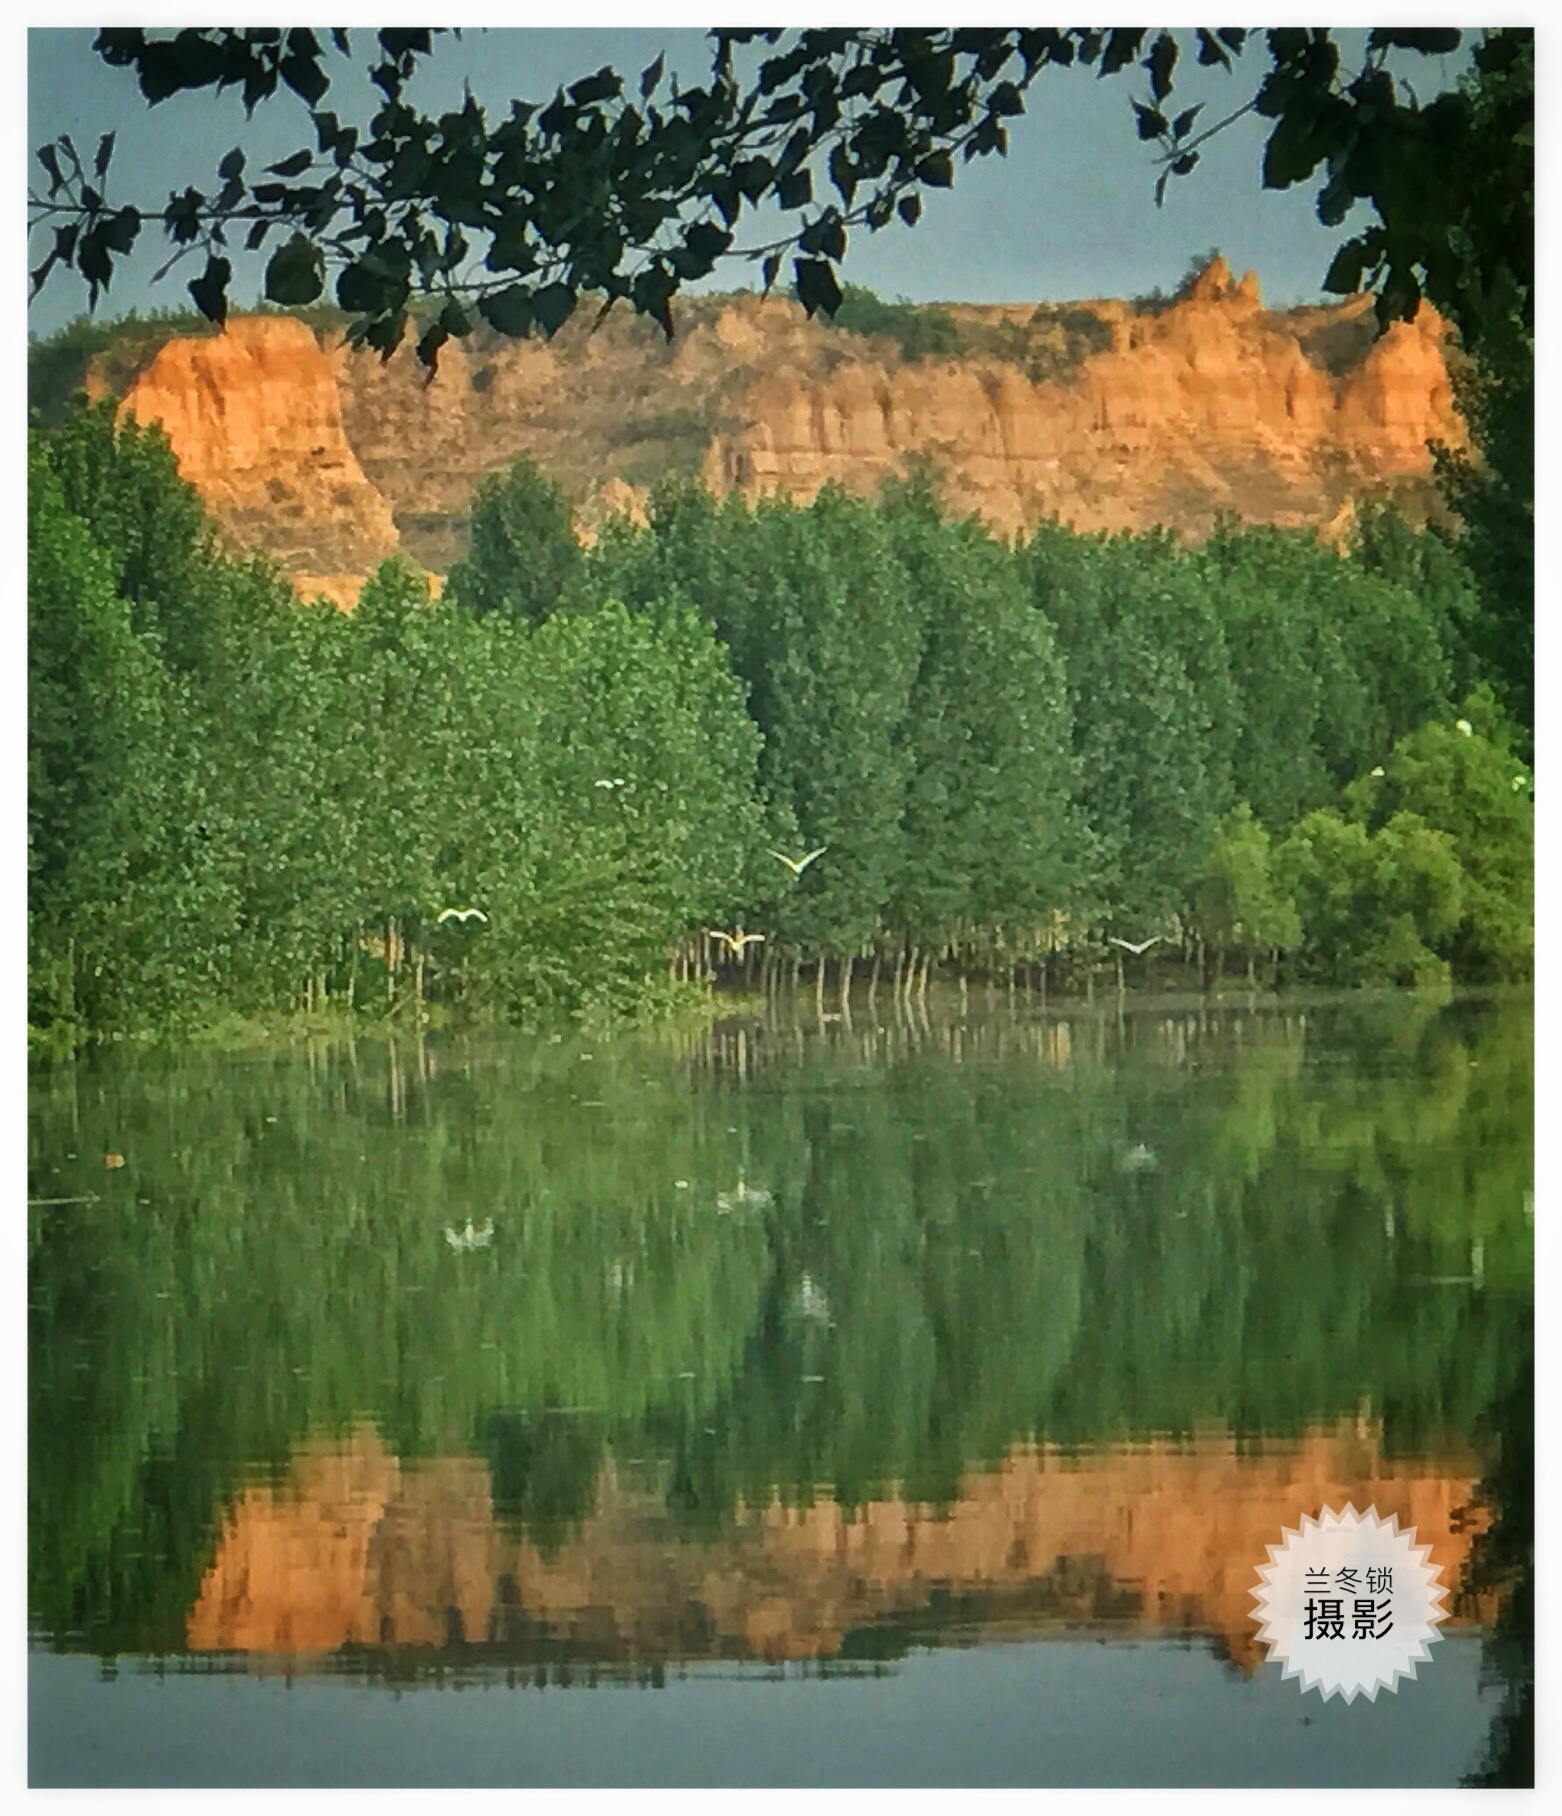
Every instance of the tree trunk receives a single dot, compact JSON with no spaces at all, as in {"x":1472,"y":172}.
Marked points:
{"x":848,"y":964}
{"x":873,"y":980}
{"x":819,"y":989}
{"x":927,"y":965}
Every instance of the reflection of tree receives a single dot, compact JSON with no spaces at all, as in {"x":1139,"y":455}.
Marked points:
{"x":1503,"y":1559}
{"x":929,"y":1263}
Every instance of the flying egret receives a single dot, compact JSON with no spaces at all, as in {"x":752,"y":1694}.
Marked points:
{"x":470,"y":1238}
{"x":460,"y":914}
{"x":735,"y":942}
{"x":1465,"y":726}
{"x":798,"y":865}
{"x":1143,"y":946}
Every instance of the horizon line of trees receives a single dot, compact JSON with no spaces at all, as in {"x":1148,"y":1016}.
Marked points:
{"x":1257,"y":750}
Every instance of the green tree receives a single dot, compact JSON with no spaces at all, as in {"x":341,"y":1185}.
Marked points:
{"x":993,"y":840}
{"x":524,"y":560}
{"x":121,"y":881}
{"x":1374,"y":906}
{"x":1236,"y":900}
{"x":1471,"y":787}
{"x":1145,"y":729}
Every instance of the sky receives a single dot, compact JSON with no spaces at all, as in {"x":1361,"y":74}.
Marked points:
{"x":1069,"y":213}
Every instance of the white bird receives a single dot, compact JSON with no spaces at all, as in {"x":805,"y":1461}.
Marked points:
{"x":460,"y":914}
{"x":735,"y":942}
{"x":1139,"y":1159}
{"x":1143,"y":946}
{"x":614,"y":782}
{"x":1378,"y":771}
{"x":798,"y":865}
{"x":811,"y":1302}
{"x":470,"y":1238}
{"x":1465,"y":726}
{"x":741,"y":1194}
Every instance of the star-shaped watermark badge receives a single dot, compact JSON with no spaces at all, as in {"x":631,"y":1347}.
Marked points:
{"x":1349,"y":1603}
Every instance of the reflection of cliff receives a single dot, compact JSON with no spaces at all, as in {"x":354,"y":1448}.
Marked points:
{"x":361,"y":1550}
{"x":1097,"y":415}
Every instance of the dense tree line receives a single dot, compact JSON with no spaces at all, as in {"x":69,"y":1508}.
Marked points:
{"x":1256,"y":751}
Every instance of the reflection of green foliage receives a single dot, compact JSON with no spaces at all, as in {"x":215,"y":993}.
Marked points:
{"x":544,"y":1472}
{"x":949,"y":1260}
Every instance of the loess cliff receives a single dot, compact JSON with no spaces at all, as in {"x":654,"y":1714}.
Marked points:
{"x":1100,"y":414}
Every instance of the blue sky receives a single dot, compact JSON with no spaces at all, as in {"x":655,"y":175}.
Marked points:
{"x":1069,"y":213}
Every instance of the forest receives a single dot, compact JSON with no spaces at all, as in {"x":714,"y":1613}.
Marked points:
{"x":1275,"y":762}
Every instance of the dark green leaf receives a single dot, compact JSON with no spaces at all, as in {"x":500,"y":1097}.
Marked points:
{"x":292,"y":166}
{"x":295,"y":273}
{"x":795,"y":191}
{"x":650,"y":77}
{"x":1161,"y":61}
{"x":508,"y":312}
{"x":1344,"y":274}
{"x":817,"y":288}
{"x":105,"y":152}
{"x":553,"y":305}
{"x":910,"y":209}
{"x":210,"y":290}
{"x":1121,"y":49}
{"x":938,"y":171}
{"x":304,"y":76}
{"x":119,"y":231}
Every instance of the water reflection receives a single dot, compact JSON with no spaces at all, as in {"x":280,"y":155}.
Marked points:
{"x":357,"y":1552}
{"x":790,"y":1340}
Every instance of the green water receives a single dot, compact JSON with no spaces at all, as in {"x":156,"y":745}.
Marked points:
{"x":789,"y":1272}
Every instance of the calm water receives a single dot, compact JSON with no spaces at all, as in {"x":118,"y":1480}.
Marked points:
{"x":907,"y":1402}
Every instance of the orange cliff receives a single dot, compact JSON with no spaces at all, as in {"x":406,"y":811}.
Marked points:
{"x":359,"y":1549}
{"x":332,"y":459}
{"x":254,"y":417}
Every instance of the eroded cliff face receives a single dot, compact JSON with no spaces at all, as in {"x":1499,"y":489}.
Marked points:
{"x":331,"y":459}
{"x":362,"y":1550}
{"x":254,"y":416}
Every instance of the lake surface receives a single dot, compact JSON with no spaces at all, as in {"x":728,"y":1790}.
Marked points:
{"x":906,"y":1401}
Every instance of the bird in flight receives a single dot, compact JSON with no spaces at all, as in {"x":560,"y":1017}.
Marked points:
{"x":798,"y":865}
{"x":470,"y":1238}
{"x":735,"y":942}
{"x":461,"y":914}
{"x":1143,"y":946}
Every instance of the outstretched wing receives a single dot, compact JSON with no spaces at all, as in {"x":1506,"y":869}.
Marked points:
{"x":817,"y":852}
{"x":795,"y":868}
